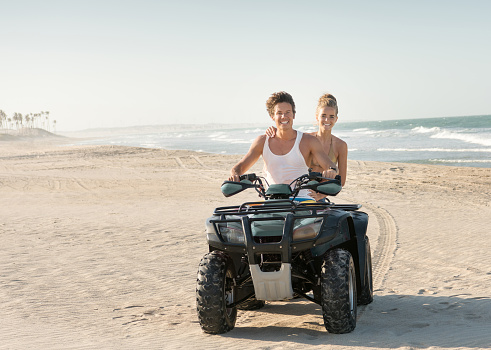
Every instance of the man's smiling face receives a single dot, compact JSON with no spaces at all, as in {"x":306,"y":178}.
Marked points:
{"x":283,"y":115}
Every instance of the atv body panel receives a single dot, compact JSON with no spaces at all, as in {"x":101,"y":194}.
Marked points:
{"x":288,"y":229}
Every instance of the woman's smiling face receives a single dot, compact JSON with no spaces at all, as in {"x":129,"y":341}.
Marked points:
{"x":326,"y":117}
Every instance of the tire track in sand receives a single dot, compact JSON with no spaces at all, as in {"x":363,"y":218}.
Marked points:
{"x":385,"y":250}
{"x":386,"y":245}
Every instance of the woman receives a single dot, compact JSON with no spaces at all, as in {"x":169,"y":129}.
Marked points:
{"x":337,"y":150}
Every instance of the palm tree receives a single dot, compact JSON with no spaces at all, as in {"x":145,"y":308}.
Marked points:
{"x":16,"y":119}
{"x":3,"y":119}
{"x":30,"y":120}
{"x":27,"y":119}
{"x":47,"y":119}
{"x":36,"y":116}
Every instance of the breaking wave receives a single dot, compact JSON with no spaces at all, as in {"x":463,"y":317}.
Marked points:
{"x":488,"y":150}
{"x":438,"y":133}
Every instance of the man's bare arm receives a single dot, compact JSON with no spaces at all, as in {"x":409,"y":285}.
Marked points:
{"x":343,"y":161}
{"x":252,"y":156}
{"x":330,"y":169}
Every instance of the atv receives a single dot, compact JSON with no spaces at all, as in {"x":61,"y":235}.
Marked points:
{"x":283,"y":248}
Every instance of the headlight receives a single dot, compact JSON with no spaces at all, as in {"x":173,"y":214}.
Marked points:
{"x":232,"y":232}
{"x":211,"y":235}
{"x":306,"y":228}
{"x":209,"y":226}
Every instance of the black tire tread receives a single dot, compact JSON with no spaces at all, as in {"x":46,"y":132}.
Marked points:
{"x":335,"y":292}
{"x":210,"y":299}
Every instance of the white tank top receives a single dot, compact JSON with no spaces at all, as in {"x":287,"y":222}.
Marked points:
{"x":285,"y":168}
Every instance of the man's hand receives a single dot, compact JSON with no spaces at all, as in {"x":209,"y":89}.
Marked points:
{"x":330,"y":173}
{"x":234,"y":177}
{"x":249,"y":159}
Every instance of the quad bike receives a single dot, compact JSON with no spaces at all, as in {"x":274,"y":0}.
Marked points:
{"x":281,"y":248}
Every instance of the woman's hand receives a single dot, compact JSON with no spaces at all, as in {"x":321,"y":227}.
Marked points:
{"x":316,"y":195}
{"x":271,"y":131}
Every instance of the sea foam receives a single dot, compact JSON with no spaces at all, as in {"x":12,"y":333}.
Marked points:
{"x":440,"y":133}
{"x":485,"y":150}
{"x":469,"y":138}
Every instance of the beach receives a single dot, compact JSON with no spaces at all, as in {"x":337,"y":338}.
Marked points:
{"x":100,"y":247}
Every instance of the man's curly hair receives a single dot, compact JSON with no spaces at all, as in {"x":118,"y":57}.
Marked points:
{"x":279,"y":97}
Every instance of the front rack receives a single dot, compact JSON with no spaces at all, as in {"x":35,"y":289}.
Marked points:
{"x":272,"y":206}
{"x":347,"y":207}
{"x":282,"y":205}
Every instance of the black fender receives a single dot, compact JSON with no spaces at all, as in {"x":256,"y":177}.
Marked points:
{"x":335,"y":231}
{"x":360,"y":224}
{"x":347,"y":230}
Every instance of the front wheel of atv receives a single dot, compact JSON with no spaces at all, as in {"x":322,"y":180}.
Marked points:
{"x":366,"y":295}
{"x":214,"y":292}
{"x":338,"y":291}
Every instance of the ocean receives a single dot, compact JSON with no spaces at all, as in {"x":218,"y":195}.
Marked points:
{"x":453,"y":141}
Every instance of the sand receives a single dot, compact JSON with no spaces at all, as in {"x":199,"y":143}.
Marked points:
{"x":100,"y":247}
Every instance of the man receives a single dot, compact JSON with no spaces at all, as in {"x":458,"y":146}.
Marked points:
{"x":287,"y":154}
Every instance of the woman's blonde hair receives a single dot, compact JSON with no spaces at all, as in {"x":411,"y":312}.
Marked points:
{"x":327,"y":100}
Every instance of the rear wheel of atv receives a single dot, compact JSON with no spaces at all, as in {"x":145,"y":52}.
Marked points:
{"x":251,"y":304}
{"x":366,"y":295}
{"x":214,"y":292}
{"x":338,"y":291}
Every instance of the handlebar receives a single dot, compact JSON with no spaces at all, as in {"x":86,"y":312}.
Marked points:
{"x":312,"y":175}
{"x":310,"y":181}
{"x":251,"y":177}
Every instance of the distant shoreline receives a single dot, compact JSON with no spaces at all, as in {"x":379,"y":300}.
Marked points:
{"x":438,"y":141}
{"x":26,"y":133}
{"x":299,"y":121}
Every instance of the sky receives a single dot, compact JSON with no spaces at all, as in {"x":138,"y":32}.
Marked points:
{"x":120,"y":63}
